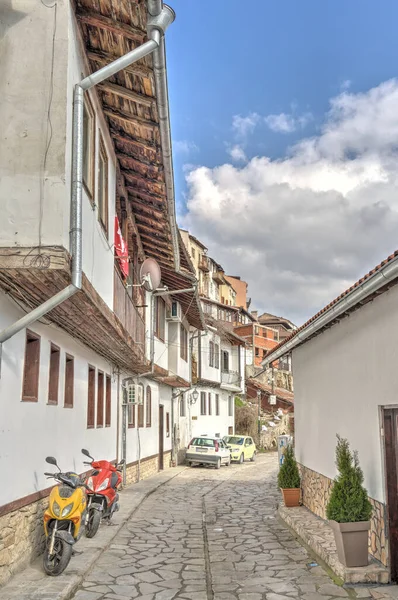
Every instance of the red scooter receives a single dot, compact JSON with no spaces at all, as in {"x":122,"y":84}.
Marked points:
{"x":102,"y":492}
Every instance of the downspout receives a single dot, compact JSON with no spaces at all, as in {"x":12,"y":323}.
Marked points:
{"x":158,"y":25}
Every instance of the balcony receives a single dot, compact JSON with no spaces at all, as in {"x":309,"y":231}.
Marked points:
{"x":218,"y":277}
{"x":204,"y":264}
{"x":230,"y":380}
{"x":127,"y":312}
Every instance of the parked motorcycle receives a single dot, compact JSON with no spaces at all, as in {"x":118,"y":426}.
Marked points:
{"x":102,"y":492}
{"x":64,"y":519}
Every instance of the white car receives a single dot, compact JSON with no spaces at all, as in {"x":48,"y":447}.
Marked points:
{"x":208,"y":451}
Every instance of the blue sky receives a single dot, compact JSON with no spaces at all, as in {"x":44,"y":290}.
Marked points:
{"x":231,"y":58}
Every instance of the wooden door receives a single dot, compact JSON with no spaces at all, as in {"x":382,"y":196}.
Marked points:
{"x":161,"y":436}
{"x":391,"y":456}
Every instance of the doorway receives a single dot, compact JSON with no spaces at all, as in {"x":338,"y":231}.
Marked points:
{"x":390,"y":418}
{"x":161,"y":437}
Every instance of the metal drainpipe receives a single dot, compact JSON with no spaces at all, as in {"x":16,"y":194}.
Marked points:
{"x":158,"y":25}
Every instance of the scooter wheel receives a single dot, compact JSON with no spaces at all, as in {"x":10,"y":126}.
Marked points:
{"x":56,"y":563}
{"x":94,"y":520}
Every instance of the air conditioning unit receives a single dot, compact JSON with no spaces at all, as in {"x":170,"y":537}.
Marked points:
{"x":135,"y":394}
{"x":174,"y":313}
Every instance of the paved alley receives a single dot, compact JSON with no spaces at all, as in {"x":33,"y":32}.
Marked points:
{"x":206,"y":535}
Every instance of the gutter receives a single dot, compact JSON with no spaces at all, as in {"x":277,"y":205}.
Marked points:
{"x":157,"y":23}
{"x":378,"y":280}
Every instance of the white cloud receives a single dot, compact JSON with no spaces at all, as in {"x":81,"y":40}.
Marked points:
{"x":184,"y":146}
{"x":242,"y":126}
{"x":237,"y":153}
{"x":346,"y":85}
{"x":287,"y":123}
{"x":302,"y":228}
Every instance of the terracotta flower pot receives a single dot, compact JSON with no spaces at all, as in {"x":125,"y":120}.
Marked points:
{"x":291,"y":497}
{"x":352,"y":542}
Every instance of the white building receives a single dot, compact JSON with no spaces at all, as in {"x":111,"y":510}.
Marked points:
{"x":346,"y":382}
{"x":63,"y":370}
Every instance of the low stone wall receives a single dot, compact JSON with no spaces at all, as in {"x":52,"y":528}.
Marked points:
{"x":21,"y":523}
{"x":316,"y":490}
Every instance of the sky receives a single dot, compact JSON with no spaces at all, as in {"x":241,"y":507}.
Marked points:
{"x":284,"y":122}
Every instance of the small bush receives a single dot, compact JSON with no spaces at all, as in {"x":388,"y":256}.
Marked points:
{"x":289,"y":476}
{"x":348,"y":501}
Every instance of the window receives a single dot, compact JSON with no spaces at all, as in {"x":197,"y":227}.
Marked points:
{"x":100,"y":400}
{"x":69,"y":381}
{"x":140,"y":411}
{"x":182,"y":407}
{"x":217,"y":405}
{"x":53,"y":378}
{"x":167,"y":424}
{"x":209,"y":403}
{"x":256,"y":330}
{"x":160,"y":313}
{"x":225,"y":361}
{"x":108,"y":401}
{"x":88,"y":146}
{"x":148,"y":406}
{"x":103,"y":186}
{"x":193,"y":252}
{"x":183,"y":343}
{"x":276,"y":336}
{"x":202,"y":403}
{"x":91,"y":398}
{"x":230,"y":406}
{"x":217,"y":356}
{"x":257,"y":351}
{"x":30,"y":390}
{"x":131,"y":415}
{"x":230,"y":430}
{"x":211,"y":354}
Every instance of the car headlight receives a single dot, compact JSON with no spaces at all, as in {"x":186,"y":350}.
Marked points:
{"x":56,"y":509}
{"x":67,"y":510}
{"x":103,"y":485}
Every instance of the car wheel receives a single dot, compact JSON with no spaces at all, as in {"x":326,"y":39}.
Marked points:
{"x":218,"y":463}
{"x":228,"y":462}
{"x":241,"y":459}
{"x":253,"y":458}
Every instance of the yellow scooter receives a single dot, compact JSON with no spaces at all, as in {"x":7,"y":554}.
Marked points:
{"x":64,"y":519}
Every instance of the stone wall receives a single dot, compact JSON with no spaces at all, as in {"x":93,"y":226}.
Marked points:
{"x":316,"y":489}
{"x":21,"y":530}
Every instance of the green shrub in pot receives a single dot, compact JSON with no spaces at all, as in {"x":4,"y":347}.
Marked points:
{"x":289,"y":479}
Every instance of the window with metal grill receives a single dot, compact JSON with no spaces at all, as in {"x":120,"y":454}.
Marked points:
{"x":140,"y":411}
{"x":91,"y":398}
{"x":148,"y":411}
{"x":108,"y":401}
{"x":210,"y":403}
{"x":30,"y":389}
{"x":131,"y":415}
{"x":202,"y":403}
{"x":69,"y":381}
{"x":100,"y":399}
{"x":53,"y":378}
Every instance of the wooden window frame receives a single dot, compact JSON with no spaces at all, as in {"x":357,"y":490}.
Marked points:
{"x":91,"y":379}
{"x":216,"y":356}
{"x":183,"y":343}
{"x":225,"y":354}
{"x":108,"y":400}
{"x":160,"y":319}
{"x":167,"y":424}
{"x":211,"y":354}
{"x":230,"y":406}
{"x":103,"y":155}
{"x":89,"y":185}
{"x":148,"y":402}
{"x":31,"y":362}
{"x":210,"y":404}
{"x":141,"y":411}
{"x":203,"y":403}
{"x":217,"y":405}
{"x":53,"y":378}
{"x":131,"y":416}
{"x":183,"y":407}
{"x":100,"y":399}
{"x":69,"y":386}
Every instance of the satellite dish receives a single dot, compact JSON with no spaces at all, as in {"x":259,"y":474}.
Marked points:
{"x":150,"y":274}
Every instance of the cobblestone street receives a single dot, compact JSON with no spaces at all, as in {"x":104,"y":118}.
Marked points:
{"x":210,"y":534}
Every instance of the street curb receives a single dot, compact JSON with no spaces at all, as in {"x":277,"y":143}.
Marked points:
{"x":73,"y":587}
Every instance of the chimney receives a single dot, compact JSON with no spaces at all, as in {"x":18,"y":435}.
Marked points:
{"x":254,"y":314}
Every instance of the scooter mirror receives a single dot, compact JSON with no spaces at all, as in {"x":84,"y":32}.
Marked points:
{"x":87,"y":453}
{"x":51,"y":460}
{"x":122,"y":462}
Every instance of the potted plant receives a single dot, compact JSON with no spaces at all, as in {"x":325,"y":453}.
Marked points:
{"x":289,"y":479}
{"x":349,"y":510}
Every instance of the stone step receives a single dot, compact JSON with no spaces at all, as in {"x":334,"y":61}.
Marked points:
{"x":318,"y":536}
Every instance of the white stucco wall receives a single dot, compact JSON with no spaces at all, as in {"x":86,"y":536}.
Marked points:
{"x":341,"y":378}
{"x":207,"y":372}
{"x":211,"y":424}
{"x":176,"y":364}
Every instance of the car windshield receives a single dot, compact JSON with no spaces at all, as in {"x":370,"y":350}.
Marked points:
{"x":203,"y":442}
{"x":236,"y":440}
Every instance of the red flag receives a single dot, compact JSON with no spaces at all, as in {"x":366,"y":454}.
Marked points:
{"x":121,"y":249}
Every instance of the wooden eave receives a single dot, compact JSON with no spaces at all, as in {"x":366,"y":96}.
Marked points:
{"x":110,"y":29}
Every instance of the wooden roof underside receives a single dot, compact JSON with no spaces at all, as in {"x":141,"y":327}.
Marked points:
{"x":110,"y":29}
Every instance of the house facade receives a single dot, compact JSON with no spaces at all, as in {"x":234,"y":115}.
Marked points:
{"x":261,"y":339}
{"x":78,"y":221}
{"x":345,"y":383}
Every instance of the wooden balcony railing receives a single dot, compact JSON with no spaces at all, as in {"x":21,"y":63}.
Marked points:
{"x":127,"y":313}
{"x":204,"y":264}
